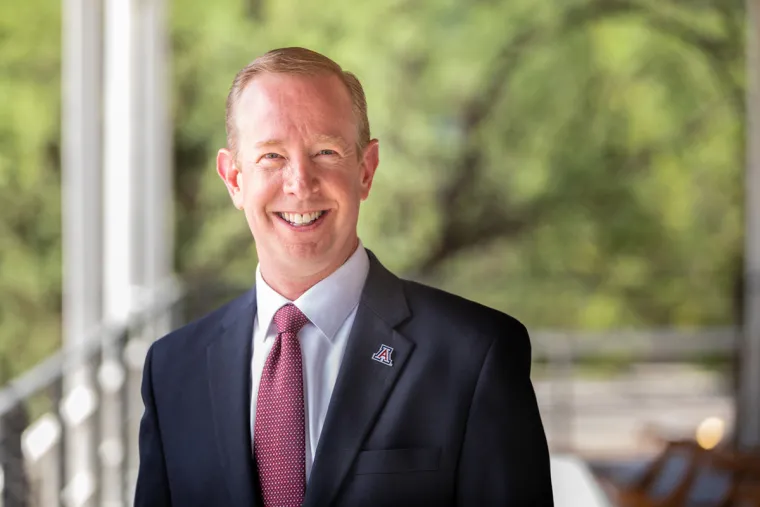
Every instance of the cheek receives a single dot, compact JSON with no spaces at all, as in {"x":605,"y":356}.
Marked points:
{"x":260,"y":191}
{"x":346,"y":182}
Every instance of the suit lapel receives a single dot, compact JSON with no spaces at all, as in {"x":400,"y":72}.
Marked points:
{"x":363,"y":384}
{"x":229,"y":366}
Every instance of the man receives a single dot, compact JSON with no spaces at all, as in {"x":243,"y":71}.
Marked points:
{"x":332,"y":382}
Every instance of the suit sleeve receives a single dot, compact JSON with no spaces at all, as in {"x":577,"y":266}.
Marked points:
{"x":505,"y":458}
{"x":152,"y":484}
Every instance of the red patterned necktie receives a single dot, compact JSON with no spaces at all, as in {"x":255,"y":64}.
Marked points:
{"x":279,"y":439}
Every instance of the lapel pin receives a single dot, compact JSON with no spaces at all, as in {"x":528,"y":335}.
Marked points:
{"x":384,"y":355}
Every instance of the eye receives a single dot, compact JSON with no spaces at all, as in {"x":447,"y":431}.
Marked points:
{"x":327,"y":152}
{"x":271,"y":156}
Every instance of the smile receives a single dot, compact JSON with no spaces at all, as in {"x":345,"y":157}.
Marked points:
{"x":301,"y":219}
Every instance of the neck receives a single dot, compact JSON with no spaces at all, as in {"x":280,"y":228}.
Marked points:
{"x":292,"y":287}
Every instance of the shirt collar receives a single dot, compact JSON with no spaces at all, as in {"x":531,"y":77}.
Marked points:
{"x":327,"y":304}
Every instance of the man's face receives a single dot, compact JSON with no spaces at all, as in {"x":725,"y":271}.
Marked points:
{"x":297,"y":174}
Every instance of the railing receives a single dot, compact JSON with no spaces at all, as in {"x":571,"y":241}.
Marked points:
{"x":602,"y":394}
{"x":92,"y":427}
{"x":82,"y":451}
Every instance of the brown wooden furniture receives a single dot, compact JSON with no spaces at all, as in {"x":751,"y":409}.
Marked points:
{"x":680,"y":458}
{"x":747,"y":495}
{"x":719,"y":477}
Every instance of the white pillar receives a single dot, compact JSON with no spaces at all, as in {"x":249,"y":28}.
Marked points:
{"x":154,"y":172}
{"x":81,"y":195}
{"x":156,"y":143}
{"x":121,"y":212}
{"x":119,"y":160}
{"x":749,"y":403}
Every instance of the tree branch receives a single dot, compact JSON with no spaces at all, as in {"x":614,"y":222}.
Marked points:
{"x":493,"y":222}
{"x":721,"y":52}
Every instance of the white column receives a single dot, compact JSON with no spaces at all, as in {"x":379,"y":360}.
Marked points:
{"x":156,"y":229}
{"x":81,"y":195}
{"x":156,"y":142}
{"x":119,"y":160}
{"x":749,"y":403}
{"x":121,"y":211}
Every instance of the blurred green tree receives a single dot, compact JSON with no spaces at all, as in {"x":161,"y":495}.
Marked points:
{"x":575,"y":163}
{"x":30,"y":221}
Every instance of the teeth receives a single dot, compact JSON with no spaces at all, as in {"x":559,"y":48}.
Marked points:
{"x":301,"y":219}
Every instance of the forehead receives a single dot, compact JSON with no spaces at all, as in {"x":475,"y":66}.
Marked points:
{"x":281,"y":106}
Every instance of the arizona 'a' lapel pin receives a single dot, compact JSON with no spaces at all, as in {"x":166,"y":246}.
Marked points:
{"x":384,"y":355}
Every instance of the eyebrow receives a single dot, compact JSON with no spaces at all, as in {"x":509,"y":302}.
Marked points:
{"x":268,"y":142}
{"x":332,"y":139}
{"x":339,"y":140}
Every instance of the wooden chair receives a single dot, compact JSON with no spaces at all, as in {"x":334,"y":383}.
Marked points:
{"x":747,"y":494}
{"x":715,"y":478}
{"x":719,"y":476}
{"x":667,"y":480}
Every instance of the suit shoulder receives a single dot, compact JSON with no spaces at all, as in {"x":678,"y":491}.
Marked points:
{"x":459,"y":312}
{"x":198,"y":332}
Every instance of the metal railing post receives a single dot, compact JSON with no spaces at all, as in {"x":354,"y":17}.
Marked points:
{"x":15,"y":492}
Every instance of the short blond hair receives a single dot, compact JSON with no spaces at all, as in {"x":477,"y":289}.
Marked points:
{"x":295,"y":60}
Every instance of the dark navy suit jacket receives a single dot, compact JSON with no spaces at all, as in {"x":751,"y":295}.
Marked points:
{"x":453,"y":420}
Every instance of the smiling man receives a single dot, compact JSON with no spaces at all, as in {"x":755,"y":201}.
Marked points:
{"x":332,"y":382}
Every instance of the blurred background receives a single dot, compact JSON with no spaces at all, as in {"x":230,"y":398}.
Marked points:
{"x":582,"y":165}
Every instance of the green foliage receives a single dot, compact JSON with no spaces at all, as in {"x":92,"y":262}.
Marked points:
{"x":577,"y":164}
{"x":30,"y":229}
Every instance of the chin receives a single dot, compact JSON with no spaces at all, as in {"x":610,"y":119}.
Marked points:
{"x":303,"y":257}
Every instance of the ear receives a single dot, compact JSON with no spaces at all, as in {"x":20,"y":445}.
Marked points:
{"x":231,"y":175}
{"x":370,"y":161}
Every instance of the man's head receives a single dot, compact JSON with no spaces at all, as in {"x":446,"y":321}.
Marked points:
{"x":299,"y":160}
{"x":304,"y":62}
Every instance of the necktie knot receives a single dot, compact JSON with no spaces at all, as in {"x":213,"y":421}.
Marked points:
{"x":289,"y":319}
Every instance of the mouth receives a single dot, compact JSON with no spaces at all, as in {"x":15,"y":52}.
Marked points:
{"x":299,"y":220}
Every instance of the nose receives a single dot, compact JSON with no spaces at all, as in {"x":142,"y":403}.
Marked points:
{"x":300,"y":177}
